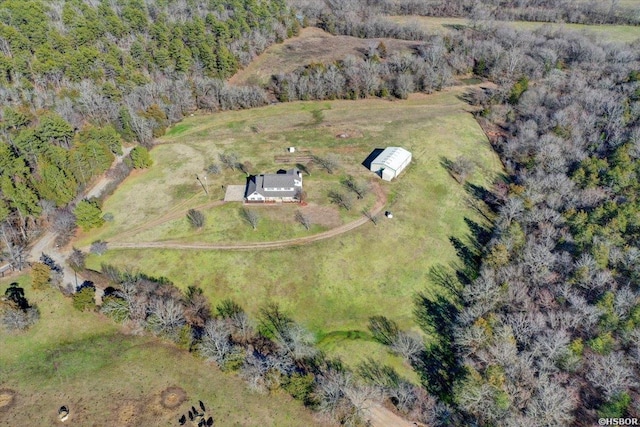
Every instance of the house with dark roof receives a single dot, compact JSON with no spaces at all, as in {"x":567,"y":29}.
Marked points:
{"x":284,"y":186}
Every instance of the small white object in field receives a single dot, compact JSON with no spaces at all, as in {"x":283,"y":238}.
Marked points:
{"x":63,"y":413}
{"x":388,"y":214}
{"x":291,"y":149}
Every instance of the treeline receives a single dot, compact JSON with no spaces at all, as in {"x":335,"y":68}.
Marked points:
{"x":78,"y":78}
{"x":582,"y":12}
{"x":270,"y":353}
{"x":376,"y":74}
{"x":502,"y":54}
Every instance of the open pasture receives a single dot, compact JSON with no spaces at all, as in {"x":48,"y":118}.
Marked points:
{"x":335,"y":284}
{"x":605,"y":33}
{"x":110,"y":378}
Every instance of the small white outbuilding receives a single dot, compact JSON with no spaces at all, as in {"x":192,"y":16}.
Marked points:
{"x":391,"y":162}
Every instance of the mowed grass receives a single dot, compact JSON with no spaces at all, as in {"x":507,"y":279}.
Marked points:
{"x":332,"y":285}
{"x":312,"y":45}
{"x":606,"y":33}
{"x":106,"y":378}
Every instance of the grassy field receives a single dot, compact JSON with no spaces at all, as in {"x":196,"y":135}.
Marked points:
{"x":108,"y":378}
{"x":616,"y":33}
{"x":313,"y":45}
{"x":333,"y":285}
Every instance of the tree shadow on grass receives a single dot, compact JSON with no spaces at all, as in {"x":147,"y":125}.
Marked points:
{"x":440,"y":365}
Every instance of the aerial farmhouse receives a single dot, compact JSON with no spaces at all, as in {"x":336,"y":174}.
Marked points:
{"x":284,"y":186}
{"x":391,"y":162}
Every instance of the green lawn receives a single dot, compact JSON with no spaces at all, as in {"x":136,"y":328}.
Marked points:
{"x":332,"y":285}
{"x":617,"y":33}
{"x":107,"y":378}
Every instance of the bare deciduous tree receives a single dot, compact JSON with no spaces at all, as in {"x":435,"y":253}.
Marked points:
{"x":229,"y":160}
{"x":341,"y":199}
{"x":408,"y":345}
{"x":251,"y":217}
{"x":373,"y":218}
{"x":215,"y":344}
{"x":303,"y":219}
{"x":611,"y":373}
{"x":99,"y":247}
{"x":167,"y":317}
{"x":460,"y":168}
{"x":359,"y":188}
{"x":329,"y":163}
{"x":15,"y":319}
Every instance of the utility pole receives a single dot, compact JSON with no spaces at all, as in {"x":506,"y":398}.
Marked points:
{"x":202,"y":183}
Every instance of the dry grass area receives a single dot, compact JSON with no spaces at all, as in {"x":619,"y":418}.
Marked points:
{"x":438,"y":25}
{"x":313,"y":45}
{"x":107,"y":378}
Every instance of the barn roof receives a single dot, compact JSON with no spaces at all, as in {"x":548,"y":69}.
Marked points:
{"x":392,"y":157}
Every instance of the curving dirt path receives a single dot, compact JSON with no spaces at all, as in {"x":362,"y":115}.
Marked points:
{"x":381,"y":200}
{"x":46,"y":242}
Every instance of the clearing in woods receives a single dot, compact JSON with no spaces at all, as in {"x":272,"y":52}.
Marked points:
{"x":108,"y":378}
{"x":331,"y":286}
{"x":312,"y":45}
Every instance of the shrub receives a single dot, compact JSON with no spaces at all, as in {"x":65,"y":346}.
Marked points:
{"x":84,"y":300}
{"x":88,"y":215}
{"x":195,"y":218}
{"x":14,"y":319}
{"x":140,"y":158}
{"x":99,"y":247}
{"x":40,"y":275}
{"x":300,"y":387}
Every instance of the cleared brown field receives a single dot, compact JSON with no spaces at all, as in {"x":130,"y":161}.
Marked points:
{"x":312,"y":45}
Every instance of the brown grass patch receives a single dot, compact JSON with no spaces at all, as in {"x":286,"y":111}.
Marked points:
{"x":172,"y":397}
{"x":128,"y":412}
{"x":7,"y":398}
{"x":326,"y":216}
{"x":313,"y":45}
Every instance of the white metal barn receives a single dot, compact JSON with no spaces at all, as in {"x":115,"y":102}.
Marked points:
{"x":391,"y":162}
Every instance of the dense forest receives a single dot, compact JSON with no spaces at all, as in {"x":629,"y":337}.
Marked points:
{"x":79,"y":77}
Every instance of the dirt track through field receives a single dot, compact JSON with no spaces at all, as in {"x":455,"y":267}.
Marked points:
{"x":381,"y":200}
{"x":174,"y":213}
